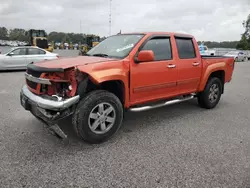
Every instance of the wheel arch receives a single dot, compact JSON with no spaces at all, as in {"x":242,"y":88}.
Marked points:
{"x":215,"y":70}
{"x":117,"y":87}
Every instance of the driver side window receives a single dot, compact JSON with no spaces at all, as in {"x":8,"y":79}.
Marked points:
{"x":20,"y":51}
{"x":161,"y":47}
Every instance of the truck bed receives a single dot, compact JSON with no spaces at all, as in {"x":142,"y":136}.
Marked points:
{"x":228,"y":62}
{"x":212,"y":56}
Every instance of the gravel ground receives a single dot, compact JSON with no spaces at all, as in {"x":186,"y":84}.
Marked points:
{"x":175,"y":146}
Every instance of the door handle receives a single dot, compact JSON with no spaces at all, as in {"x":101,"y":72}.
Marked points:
{"x":171,"y":66}
{"x":196,"y":63}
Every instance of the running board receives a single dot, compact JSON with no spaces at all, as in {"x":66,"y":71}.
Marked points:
{"x":149,"y":107}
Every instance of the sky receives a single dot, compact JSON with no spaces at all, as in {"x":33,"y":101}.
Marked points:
{"x":214,"y":20}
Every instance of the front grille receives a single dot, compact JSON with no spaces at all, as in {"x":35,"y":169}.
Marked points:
{"x":31,"y":84}
{"x":36,"y":74}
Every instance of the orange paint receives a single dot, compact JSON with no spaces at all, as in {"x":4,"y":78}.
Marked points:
{"x":149,"y":80}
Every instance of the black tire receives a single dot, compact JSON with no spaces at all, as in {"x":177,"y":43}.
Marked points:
{"x":203,"y":97}
{"x":82,"y":88}
{"x":80,"y":118}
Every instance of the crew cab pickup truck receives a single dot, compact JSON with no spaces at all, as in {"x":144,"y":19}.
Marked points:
{"x":133,"y":71}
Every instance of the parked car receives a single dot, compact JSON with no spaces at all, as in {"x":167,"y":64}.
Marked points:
{"x":237,"y":55}
{"x":248,"y":55}
{"x":133,"y":72}
{"x":20,"y":57}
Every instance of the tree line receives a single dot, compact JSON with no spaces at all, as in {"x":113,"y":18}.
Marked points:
{"x":224,"y":44}
{"x":18,"y":34}
{"x":244,"y":43}
{"x":21,"y":35}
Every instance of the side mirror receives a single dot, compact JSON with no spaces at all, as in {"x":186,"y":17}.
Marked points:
{"x":10,"y":54}
{"x":145,"y":56}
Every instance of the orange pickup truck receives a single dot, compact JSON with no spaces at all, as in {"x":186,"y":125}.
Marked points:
{"x":133,"y":71}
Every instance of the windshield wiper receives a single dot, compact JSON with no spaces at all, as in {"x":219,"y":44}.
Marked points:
{"x":100,"y":55}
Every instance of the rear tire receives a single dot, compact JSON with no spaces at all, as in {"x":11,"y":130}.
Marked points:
{"x":211,"y":95}
{"x":98,"y":116}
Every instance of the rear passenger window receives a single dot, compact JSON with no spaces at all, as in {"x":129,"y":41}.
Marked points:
{"x":185,"y":48}
{"x":161,"y":48}
{"x":34,"y":51}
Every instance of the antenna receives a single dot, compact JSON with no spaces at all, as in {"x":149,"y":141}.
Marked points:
{"x":110,"y":17}
{"x":80,"y":26}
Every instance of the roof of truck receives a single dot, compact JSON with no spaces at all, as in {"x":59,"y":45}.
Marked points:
{"x":160,"y":33}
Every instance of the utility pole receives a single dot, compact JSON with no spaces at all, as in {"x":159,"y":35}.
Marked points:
{"x":80,"y":26}
{"x":110,"y":17}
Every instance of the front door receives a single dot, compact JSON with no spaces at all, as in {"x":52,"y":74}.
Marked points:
{"x":189,"y":65}
{"x":156,"y":79}
{"x":15,"y":59}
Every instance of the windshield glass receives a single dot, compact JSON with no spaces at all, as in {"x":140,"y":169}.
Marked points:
{"x":9,"y":51}
{"x":117,"y":46}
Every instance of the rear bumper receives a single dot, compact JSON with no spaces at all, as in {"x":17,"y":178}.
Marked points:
{"x":48,"y":111}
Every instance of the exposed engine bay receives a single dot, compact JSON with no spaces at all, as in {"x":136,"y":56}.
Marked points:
{"x":53,"y":83}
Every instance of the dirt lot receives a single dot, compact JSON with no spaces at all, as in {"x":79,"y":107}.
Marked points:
{"x":175,"y":146}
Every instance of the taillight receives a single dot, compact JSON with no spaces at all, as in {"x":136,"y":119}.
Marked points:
{"x":233,"y":64}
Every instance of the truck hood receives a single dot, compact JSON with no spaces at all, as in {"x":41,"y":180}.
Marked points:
{"x":73,"y":62}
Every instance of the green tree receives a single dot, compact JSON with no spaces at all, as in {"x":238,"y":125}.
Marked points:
{"x":3,"y":33}
{"x":224,"y":44}
{"x":244,"y":43}
{"x":18,"y":34}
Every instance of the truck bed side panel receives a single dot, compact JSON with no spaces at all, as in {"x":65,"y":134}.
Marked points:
{"x":214,"y":63}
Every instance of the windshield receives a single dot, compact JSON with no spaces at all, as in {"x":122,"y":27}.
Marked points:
{"x":118,"y":46}
{"x":7,"y":52}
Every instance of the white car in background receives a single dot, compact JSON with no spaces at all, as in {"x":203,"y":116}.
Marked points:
{"x":237,"y":55}
{"x":19,"y":57}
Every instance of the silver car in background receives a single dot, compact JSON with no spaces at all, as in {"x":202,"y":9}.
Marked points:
{"x":19,"y":57}
{"x":237,"y":55}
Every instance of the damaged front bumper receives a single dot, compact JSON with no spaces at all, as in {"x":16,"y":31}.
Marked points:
{"x":47,"y":110}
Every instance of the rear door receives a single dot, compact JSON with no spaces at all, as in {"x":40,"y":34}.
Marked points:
{"x":189,"y":65}
{"x":35,"y":55}
{"x":15,"y":59}
{"x":155,"y":79}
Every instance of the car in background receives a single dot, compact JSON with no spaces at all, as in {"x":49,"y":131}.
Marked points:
{"x":19,"y":57}
{"x":237,"y":55}
{"x":248,"y":55}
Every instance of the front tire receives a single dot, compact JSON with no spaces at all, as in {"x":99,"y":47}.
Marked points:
{"x":98,"y":116}
{"x":211,"y":95}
